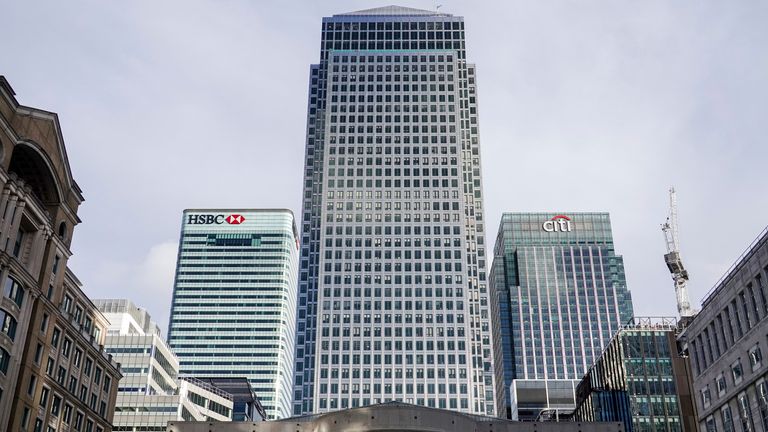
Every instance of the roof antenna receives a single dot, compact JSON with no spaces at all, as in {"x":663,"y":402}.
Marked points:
{"x":437,"y":7}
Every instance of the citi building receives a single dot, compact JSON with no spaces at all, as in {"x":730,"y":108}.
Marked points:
{"x":394,"y":302}
{"x":233,"y":312}
{"x":562,"y":297}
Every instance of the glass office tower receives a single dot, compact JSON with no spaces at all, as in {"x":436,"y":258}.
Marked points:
{"x":233,"y":312}
{"x":641,"y":379}
{"x":562,"y":296}
{"x":393,"y":296}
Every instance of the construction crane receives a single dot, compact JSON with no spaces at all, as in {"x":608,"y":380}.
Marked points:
{"x":672,"y":257}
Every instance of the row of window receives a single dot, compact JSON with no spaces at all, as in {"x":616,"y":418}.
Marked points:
{"x":81,"y":365}
{"x":407,"y":279}
{"x":397,"y":172}
{"x":394,"y":25}
{"x":736,"y":374}
{"x":388,"y":183}
{"x":396,"y":318}
{"x":397,"y":160}
{"x":744,"y":412}
{"x":422,"y":44}
{"x":746,"y":309}
{"x":352,"y":78}
{"x":344,"y":403}
{"x":373,"y":35}
{"x":441,"y":66}
{"x":390,"y":150}
{"x":378,"y":359}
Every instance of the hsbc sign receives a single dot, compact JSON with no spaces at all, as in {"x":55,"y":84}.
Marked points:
{"x":211,"y":219}
{"x":559,"y":223}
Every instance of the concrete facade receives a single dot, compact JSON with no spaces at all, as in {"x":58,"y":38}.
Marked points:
{"x":54,"y":372}
{"x":727,"y":341}
{"x":394,"y":302}
{"x":394,"y":416}
{"x":150,"y":393}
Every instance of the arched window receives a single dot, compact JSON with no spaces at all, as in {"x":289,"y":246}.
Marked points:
{"x":29,"y":165}
{"x":7,"y":324}
{"x":63,"y":230}
{"x":14,"y":291}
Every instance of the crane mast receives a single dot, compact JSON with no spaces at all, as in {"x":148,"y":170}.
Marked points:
{"x":672,"y":257}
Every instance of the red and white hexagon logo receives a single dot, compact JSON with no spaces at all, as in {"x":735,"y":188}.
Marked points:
{"x":235,"y":219}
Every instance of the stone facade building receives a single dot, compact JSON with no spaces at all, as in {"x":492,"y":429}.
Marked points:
{"x":725,"y":342}
{"x":54,"y":372}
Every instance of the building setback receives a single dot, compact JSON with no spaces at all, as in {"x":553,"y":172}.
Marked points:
{"x":725,"y":342}
{"x":562,"y":295}
{"x":393,"y":298}
{"x":54,"y":372}
{"x":641,"y":380}
{"x":233,"y":312}
{"x":151,"y":393}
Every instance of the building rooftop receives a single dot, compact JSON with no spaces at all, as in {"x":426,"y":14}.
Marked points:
{"x":740,"y":262}
{"x":393,"y":10}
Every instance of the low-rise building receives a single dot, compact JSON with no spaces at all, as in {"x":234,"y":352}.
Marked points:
{"x":641,"y":380}
{"x":151,"y":393}
{"x":725,"y":342}
{"x":394,"y":416}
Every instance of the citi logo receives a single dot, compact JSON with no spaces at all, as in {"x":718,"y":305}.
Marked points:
{"x":210,"y":219}
{"x":559,"y":223}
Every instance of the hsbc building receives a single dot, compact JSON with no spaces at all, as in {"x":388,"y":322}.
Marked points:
{"x":233,"y":312}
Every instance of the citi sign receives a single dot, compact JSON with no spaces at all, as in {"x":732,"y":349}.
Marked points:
{"x":559,"y":223}
{"x":209,"y":219}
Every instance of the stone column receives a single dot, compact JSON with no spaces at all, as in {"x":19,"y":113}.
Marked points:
{"x":5,"y":226}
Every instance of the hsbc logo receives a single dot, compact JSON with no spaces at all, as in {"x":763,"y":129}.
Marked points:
{"x":234,"y":219}
{"x":210,"y":219}
{"x":559,"y":223}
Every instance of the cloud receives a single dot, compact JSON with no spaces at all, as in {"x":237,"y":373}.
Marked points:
{"x":587,"y":105}
{"x":148,"y":281}
{"x":154,"y":281}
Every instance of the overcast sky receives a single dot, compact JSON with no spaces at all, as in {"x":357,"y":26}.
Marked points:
{"x":584,"y":106}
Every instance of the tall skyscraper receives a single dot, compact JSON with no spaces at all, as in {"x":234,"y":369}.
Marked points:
{"x":233,"y":312}
{"x":54,"y":372}
{"x":562,"y":296}
{"x":393,"y":296}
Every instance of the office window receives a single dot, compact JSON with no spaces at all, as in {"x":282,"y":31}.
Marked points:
{"x":8,"y":324}
{"x":755,"y":357}
{"x":14,"y":291}
{"x":727,"y":419}
{"x":710,"y":424}
{"x":56,"y":405}
{"x":737,"y":372}
{"x":745,"y":413}
{"x":721,"y":385}
{"x":5,"y":360}
{"x":762,"y":403}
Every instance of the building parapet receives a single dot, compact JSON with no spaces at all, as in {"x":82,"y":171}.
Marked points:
{"x":736,"y":266}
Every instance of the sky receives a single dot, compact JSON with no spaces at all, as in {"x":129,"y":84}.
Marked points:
{"x":584,"y":106}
